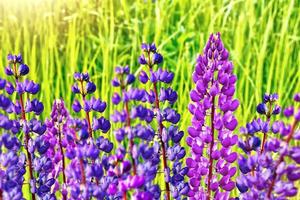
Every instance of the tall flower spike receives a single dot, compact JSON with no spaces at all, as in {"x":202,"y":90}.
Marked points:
{"x":264,"y":173}
{"x":168,"y":135}
{"x":142,"y":157}
{"x":124,"y":79}
{"x":61,"y":138}
{"x":89,"y":147}
{"x":211,"y":135}
{"x":17,"y":69}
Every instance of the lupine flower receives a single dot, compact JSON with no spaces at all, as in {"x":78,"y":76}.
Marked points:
{"x":123,"y":75}
{"x":41,"y":164}
{"x":5,"y":103}
{"x":168,"y":135}
{"x":12,"y":161}
{"x":141,"y":168}
{"x":61,"y":137}
{"x":87,"y":166}
{"x":265,"y":172}
{"x":37,"y":147}
{"x":211,"y":135}
{"x":97,"y":105}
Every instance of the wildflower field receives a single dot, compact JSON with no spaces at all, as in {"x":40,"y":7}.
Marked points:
{"x":149,"y":99}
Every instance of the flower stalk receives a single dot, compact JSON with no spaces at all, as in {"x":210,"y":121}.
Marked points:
{"x":18,"y":60}
{"x":62,"y":159}
{"x":210,"y":165}
{"x":163,"y":146}
{"x":210,"y":172}
{"x":89,"y":148}
{"x":27,"y":139}
{"x":169,"y":137}
{"x":131,"y":142}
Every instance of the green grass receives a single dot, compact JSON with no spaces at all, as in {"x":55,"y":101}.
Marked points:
{"x":58,"y":38}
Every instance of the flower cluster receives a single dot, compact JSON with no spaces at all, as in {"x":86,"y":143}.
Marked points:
{"x":35,"y":148}
{"x":211,"y":137}
{"x":61,"y":137}
{"x":90,"y":151}
{"x":265,"y":172}
{"x":73,"y":157}
{"x":12,"y":161}
{"x":140,"y":171}
{"x":169,"y":136}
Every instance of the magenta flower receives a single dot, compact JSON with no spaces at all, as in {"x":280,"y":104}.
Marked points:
{"x":211,"y":135}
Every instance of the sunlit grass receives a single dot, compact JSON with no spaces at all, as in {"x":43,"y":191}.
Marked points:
{"x":58,"y":38}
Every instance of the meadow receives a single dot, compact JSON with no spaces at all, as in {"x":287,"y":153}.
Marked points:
{"x":58,"y":38}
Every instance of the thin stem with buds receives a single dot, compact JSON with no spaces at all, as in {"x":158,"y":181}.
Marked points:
{"x":164,"y":155}
{"x":27,"y":136}
{"x":211,"y":149}
{"x":88,"y":119}
{"x":63,"y":159}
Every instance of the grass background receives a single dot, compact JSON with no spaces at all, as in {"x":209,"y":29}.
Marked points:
{"x":58,"y":38}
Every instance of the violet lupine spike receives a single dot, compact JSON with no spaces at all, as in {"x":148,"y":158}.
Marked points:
{"x":84,"y":86}
{"x":123,"y":80}
{"x":211,"y":136}
{"x":17,"y":69}
{"x":265,"y":174}
{"x":268,"y":108}
{"x":42,"y":165}
{"x":87,"y":164}
{"x":91,"y":152}
{"x":61,"y":138}
{"x":168,"y":135}
{"x":143,"y":155}
{"x":12,"y":161}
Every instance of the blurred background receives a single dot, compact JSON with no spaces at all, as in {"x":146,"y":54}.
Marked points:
{"x":59,"y":37}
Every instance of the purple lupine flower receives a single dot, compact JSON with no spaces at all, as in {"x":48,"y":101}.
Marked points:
{"x":143,"y":77}
{"x":16,"y":66}
{"x":35,"y":148}
{"x":168,"y":135}
{"x":61,"y":136}
{"x":264,"y":173}
{"x":210,"y":166}
{"x":12,"y":161}
{"x":8,"y":71}
{"x":23,"y":70}
{"x":97,"y":105}
{"x":138,"y":175}
{"x":43,"y":166}
{"x":31,"y":87}
{"x":86,"y":154}
{"x":85,"y":164}
{"x":10,"y":89}
{"x":15,"y":59}
{"x":34,"y":106}
{"x":2,"y":83}
{"x":5,"y":103}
